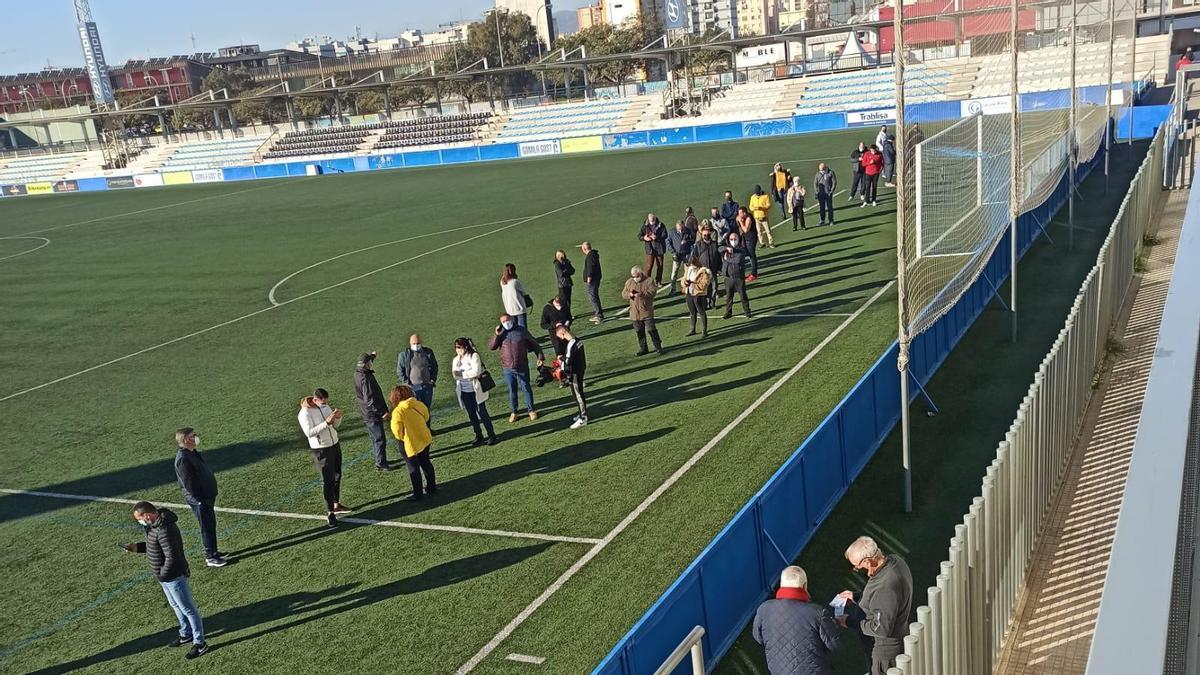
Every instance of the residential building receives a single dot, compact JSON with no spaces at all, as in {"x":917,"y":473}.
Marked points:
{"x":540,"y":13}
{"x":591,"y":15}
{"x":757,"y":17}
{"x":793,"y":15}
{"x":719,"y":15}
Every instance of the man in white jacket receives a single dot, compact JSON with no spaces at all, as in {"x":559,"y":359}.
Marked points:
{"x":320,"y":423}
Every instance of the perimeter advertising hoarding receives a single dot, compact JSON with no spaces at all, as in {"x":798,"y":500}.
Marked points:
{"x":66,"y":186}
{"x":119,"y":182}
{"x":991,"y":105}
{"x":148,"y":180}
{"x":13,"y":190}
{"x":858,"y":119}
{"x":539,"y":148}
{"x":207,"y":176}
{"x":38,"y":188}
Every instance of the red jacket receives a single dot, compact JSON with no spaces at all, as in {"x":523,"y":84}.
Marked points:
{"x":872,"y":162}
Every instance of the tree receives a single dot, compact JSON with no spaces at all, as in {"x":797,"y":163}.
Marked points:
{"x":516,"y":40}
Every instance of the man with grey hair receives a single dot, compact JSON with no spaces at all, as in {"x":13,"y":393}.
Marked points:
{"x":885,"y":604}
{"x":199,"y":486}
{"x":798,"y":635}
{"x":639,"y":291}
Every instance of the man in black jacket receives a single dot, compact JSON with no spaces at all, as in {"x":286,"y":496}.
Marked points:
{"x":574,"y":364}
{"x":199,"y":487}
{"x":799,"y":636}
{"x":591,"y":280}
{"x":563,"y":271}
{"x":164,"y":551}
{"x":734,"y":270}
{"x":729,"y":209}
{"x":708,"y":251}
{"x":885,"y":604}
{"x":856,"y":171}
{"x":653,"y":234}
{"x":372,"y":406}
{"x":555,"y":314}
{"x":417,"y":367}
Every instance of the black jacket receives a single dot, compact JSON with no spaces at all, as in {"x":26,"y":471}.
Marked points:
{"x":591,"y":268}
{"x":371,"y":404}
{"x":659,"y":245}
{"x":889,"y":151}
{"x":574,"y":360}
{"x":563,"y":271}
{"x":197,"y":481}
{"x":729,"y":210}
{"x":709,"y":254}
{"x":551,"y":317}
{"x":799,"y":637}
{"x":735,"y":264}
{"x":164,"y":548}
{"x":856,"y":160}
{"x":887,"y":601}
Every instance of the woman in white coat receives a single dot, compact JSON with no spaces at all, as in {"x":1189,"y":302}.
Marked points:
{"x":467,"y":367}
{"x":514,"y":296}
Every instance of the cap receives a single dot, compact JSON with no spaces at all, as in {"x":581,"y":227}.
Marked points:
{"x":366,"y":357}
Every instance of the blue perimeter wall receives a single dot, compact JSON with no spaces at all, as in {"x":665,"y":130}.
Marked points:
{"x":1145,"y":120}
{"x":722,"y":588}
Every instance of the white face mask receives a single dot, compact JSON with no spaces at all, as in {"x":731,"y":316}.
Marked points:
{"x":416,"y":347}
{"x":143,"y":523}
{"x":508,"y":325}
{"x":196,"y":441}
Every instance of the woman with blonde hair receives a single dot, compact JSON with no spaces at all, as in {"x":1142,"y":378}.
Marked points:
{"x":410,"y":426}
{"x":695,"y":283}
{"x":472,"y":397}
{"x":514,"y":296}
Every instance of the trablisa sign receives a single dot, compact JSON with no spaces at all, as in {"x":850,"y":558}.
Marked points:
{"x":868,"y":117}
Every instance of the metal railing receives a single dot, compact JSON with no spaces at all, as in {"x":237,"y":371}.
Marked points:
{"x":693,"y":645}
{"x":963,"y":628}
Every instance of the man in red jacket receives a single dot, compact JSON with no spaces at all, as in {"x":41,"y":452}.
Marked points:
{"x":872,"y":163}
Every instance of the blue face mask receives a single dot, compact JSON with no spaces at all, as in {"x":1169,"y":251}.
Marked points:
{"x":508,"y":325}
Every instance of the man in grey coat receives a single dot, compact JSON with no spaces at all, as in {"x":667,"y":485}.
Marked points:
{"x":799,"y":636}
{"x":417,"y":367}
{"x":885,"y":604}
{"x":824,"y":187}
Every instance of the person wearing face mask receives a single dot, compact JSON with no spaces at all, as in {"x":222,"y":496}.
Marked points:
{"x":653,"y":235}
{"x":795,"y":204}
{"x":574,"y":366}
{"x":734,"y":270}
{"x":679,"y":243}
{"x":514,"y":344}
{"x":555,"y":314}
{"x":417,"y":367}
{"x":881,"y":613}
{"x":639,"y":291}
{"x":168,"y":563}
{"x":563,"y":271}
{"x":708,"y":252}
{"x":824,"y":187}
{"x":695,"y":283}
{"x":319,"y":423}
{"x":467,"y":368}
{"x":199,"y":486}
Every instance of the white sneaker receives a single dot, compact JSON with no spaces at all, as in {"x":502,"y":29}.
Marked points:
{"x":864,"y":205}
{"x":579,"y":422}
{"x":874,"y":203}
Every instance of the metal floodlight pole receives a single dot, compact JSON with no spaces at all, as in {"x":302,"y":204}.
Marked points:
{"x":1133,"y":74}
{"x":1014,"y":163}
{"x":1072,"y":141}
{"x":499,"y":44}
{"x":901,"y":263}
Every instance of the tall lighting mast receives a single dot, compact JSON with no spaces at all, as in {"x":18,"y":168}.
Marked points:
{"x":93,"y":53}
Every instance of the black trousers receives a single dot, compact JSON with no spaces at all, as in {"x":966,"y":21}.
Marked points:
{"x":576,"y":380}
{"x":643,"y":326}
{"x":206,"y":516}
{"x":872,"y":186}
{"x":478,"y":414}
{"x":798,"y":217}
{"x":378,"y":441}
{"x":418,"y":464}
{"x":593,"y":293}
{"x":884,"y":653}
{"x":735,"y":286}
{"x":826,"y":202}
{"x":696,"y":305}
{"x":564,"y":294}
{"x":856,"y":182}
{"x":712,"y":286}
{"x":329,"y":463}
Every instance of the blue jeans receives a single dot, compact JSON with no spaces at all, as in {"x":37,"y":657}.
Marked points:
{"x":424,"y":394}
{"x":179,"y":597}
{"x":522,"y":320}
{"x":378,"y":434}
{"x":513,"y":378}
{"x":207,"y":517}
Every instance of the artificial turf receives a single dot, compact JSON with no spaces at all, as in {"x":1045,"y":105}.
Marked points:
{"x":126,"y":272}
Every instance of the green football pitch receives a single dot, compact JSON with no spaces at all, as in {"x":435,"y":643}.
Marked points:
{"x":129,"y":314}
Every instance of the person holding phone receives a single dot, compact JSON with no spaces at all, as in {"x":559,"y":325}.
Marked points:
{"x":319,"y":423}
{"x":410,"y":425}
{"x":467,"y":368}
{"x":640,"y":291}
{"x":514,"y":344}
{"x":168,"y":563}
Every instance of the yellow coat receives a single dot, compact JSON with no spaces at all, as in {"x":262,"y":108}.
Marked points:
{"x":760,"y":205}
{"x":410,"y":426}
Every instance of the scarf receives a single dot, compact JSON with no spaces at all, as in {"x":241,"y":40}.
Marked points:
{"x":785,"y":593}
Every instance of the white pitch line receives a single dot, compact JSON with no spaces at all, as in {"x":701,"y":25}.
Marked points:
{"x":595,"y":550}
{"x":309,"y":516}
{"x":44,"y":244}
{"x":271,"y":293}
{"x":160,"y":208}
{"x":525,"y":658}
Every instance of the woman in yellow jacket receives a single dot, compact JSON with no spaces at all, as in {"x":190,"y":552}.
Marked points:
{"x":760,"y":208}
{"x":410,"y":426}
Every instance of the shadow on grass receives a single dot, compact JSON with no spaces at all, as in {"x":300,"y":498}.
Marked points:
{"x":304,"y":607}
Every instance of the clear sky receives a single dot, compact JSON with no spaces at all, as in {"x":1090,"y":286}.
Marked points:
{"x":137,"y":28}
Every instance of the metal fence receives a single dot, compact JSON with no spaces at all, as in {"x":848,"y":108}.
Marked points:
{"x":963,"y":627}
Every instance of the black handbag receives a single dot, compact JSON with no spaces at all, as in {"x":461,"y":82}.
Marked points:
{"x":486,"y":381}
{"x":528,"y":301}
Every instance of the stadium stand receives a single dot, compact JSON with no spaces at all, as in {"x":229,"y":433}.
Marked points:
{"x":38,"y":169}
{"x":562,"y":121}
{"x":876,"y":87}
{"x":212,"y":154}
{"x":325,"y":141}
{"x":439,"y":130}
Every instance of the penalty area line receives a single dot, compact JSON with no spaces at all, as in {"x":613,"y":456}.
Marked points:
{"x":308,"y":516}
{"x":595,"y":550}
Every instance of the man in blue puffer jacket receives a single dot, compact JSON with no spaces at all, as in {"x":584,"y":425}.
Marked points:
{"x":799,"y":636}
